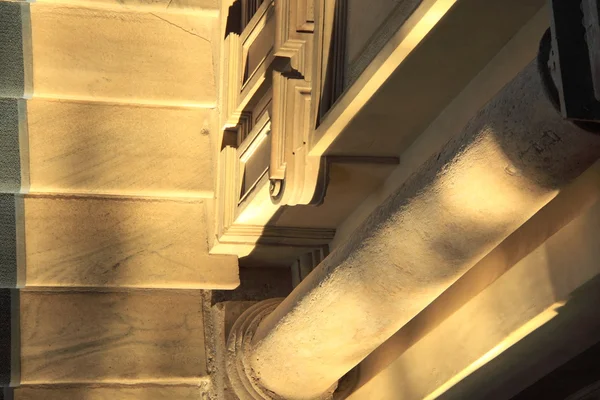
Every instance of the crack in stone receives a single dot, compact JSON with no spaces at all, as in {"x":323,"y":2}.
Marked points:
{"x":179,"y":27}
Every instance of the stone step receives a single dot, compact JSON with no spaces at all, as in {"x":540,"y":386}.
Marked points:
{"x":96,"y":148}
{"x":112,"y":337}
{"x":108,"y":242}
{"x":110,"y":393}
{"x":122,"y":56}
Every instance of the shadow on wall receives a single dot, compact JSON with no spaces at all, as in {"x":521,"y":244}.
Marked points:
{"x":256,"y":284}
{"x":583,"y":371}
{"x":549,"y":160}
{"x":234,"y":19}
{"x":96,"y":250}
{"x":5,"y":335}
{"x":539,"y":352}
{"x":571,"y":203}
{"x":12,"y":66}
{"x":538,"y":154}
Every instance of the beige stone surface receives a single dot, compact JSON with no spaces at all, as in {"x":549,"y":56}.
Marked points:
{"x":349,"y":185}
{"x":549,"y":295}
{"x":126,"y":337}
{"x":119,"y":56}
{"x":399,"y":90}
{"x":223,"y":315}
{"x":365,"y":18}
{"x":508,"y":162}
{"x":173,"y":6}
{"x":109,"y":393}
{"x":119,"y":149}
{"x":513,"y":57}
{"x":92,"y":242}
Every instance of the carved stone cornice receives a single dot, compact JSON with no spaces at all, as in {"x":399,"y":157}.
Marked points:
{"x":275,"y":56}
{"x":297,"y":174}
{"x":295,"y":22}
{"x":311,"y":36}
{"x":247,"y":62}
{"x":241,"y":180}
{"x":268,"y":102}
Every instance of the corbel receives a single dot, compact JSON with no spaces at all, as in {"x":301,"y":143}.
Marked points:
{"x":294,"y":34}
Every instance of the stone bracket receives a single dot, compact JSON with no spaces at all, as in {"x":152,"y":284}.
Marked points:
{"x":274,"y":57}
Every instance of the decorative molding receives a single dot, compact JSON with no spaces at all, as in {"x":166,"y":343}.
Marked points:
{"x":249,"y":9}
{"x":247,"y":119}
{"x":278,"y":235}
{"x":240,"y":346}
{"x":312,"y":36}
{"x":380,"y":38}
{"x":260,"y":31}
{"x":228,"y":189}
{"x":338,"y":59}
{"x":306,"y":263}
{"x":305,"y":16}
{"x":233,"y":196}
{"x":294,"y":34}
{"x":275,"y":51}
{"x":249,"y":153}
{"x":290,"y":164}
{"x":329,"y":56}
{"x":244,"y":126}
{"x":231,"y":80}
{"x":278,"y":141}
{"x":240,"y":83}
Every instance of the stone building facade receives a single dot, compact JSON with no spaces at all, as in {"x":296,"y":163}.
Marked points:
{"x":293,"y":199}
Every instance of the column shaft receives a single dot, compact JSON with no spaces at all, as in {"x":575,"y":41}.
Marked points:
{"x":509,"y":161}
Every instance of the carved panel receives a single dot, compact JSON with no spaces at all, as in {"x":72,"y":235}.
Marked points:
{"x":278,"y":156}
{"x":232,"y":80}
{"x":275,"y":235}
{"x":257,"y":43}
{"x":227,"y":189}
{"x":294,"y":50}
{"x":305,"y":19}
{"x":244,"y":127}
{"x":312,"y":40}
{"x":269,"y":97}
{"x":240,"y":171}
{"x":291,"y":127}
{"x":235,"y":190}
{"x":247,"y":62}
{"x":253,"y":156}
{"x":329,"y":59}
{"x":259,"y":107}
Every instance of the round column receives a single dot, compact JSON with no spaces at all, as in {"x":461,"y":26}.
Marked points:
{"x":508,"y":162}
